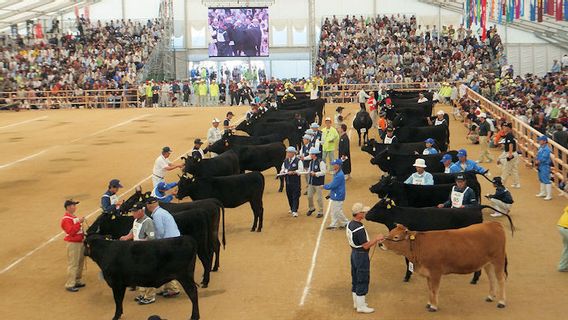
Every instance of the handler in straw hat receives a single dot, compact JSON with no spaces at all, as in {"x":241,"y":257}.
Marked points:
{"x":420,"y":177}
{"x":358,"y":239}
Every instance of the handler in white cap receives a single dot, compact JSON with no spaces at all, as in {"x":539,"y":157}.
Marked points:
{"x":439,"y":119}
{"x":316,"y":180}
{"x":214,"y":134}
{"x":420,"y":177}
{"x":291,"y":169}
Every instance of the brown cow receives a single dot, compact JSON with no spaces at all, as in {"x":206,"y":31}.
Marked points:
{"x":462,"y":251}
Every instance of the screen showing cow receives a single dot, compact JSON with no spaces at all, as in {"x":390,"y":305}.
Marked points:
{"x":238,"y":32}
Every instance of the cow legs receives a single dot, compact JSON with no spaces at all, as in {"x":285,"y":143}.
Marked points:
{"x":434,"y":286}
{"x":499,"y":267}
{"x":489,"y":269}
{"x":206,"y":257}
{"x":359,"y":135}
{"x":408,"y":273}
{"x":191,"y":290}
{"x":281,"y":180}
{"x":118,"y":293}
{"x":217,"y":250}
{"x":476,"y":276}
{"x":258,"y":213}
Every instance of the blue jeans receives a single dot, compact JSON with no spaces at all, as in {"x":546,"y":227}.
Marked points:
{"x":360,"y":272}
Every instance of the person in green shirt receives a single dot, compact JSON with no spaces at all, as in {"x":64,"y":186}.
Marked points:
{"x":201,"y":94}
{"x":329,"y":140}
{"x":214,"y":93}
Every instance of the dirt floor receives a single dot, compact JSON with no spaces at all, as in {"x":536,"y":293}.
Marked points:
{"x":53,"y":155}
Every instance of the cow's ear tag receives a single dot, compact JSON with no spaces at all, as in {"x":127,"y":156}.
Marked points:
{"x":412,"y":237}
{"x":388,"y":206}
{"x":112,"y":217}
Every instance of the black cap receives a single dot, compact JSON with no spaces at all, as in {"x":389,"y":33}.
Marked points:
{"x":460,"y":177}
{"x":339,"y":109}
{"x":137,"y":206}
{"x":508,"y":124}
{"x":230,"y":113}
{"x":69,"y":202}
{"x":114,"y":183}
{"x":166,"y":149}
{"x":497,"y":181}
{"x":197,"y":141}
{"x":151,"y":199}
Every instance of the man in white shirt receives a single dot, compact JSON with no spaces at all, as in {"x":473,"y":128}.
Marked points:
{"x":214,"y":134}
{"x":422,"y":98}
{"x":420,"y":177}
{"x":363,"y":96}
{"x":161,"y":165}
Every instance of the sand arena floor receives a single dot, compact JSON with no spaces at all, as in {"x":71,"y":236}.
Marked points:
{"x":53,"y":155}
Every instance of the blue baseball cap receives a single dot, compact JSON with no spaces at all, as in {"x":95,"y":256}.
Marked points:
{"x":307,"y":136}
{"x":446,"y":157}
{"x":114,"y":183}
{"x":314,"y":125}
{"x":462,"y":153}
{"x":314,"y":150}
{"x":310,"y":132}
{"x":429,"y":140}
{"x":291,"y":149}
{"x":161,"y":186}
{"x":337,"y":162}
{"x":542,"y":138}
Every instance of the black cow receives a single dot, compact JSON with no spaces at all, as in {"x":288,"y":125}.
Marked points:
{"x":375,"y":148}
{"x":318,"y":105}
{"x":402,"y":164}
{"x":236,"y":139}
{"x":232,"y":191}
{"x":409,"y":195}
{"x":362,"y":123}
{"x":281,"y":114}
{"x":225,"y":164}
{"x":409,"y":118}
{"x":196,"y":223}
{"x":416,"y":134}
{"x":425,"y":219}
{"x":146,"y":264}
{"x":287,"y":129}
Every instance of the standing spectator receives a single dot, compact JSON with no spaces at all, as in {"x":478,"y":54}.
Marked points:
{"x":291,"y":168}
{"x":71,"y":225}
{"x":543,"y":162}
{"x":501,"y":199}
{"x":563,"y":229}
{"x":485,"y":133}
{"x":337,"y":196}
{"x":363,"y":96}
{"x":161,"y":165}
{"x":214,"y":93}
{"x":329,"y":138}
{"x":222,"y":92}
{"x":142,"y":230}
{"x":560,"y":136}
{"x":358,"y":239}
{"x":166,"y":227}
{"x":344,"y":152}
{"x":316,"y":180}
{"x":186,"y":89}
{"x":234,"y":93}
{"x":565,"y":62}
{"x":556,"y":67}
{"x":202,"y":94}
{"x":509,"y":158}
{"x":109,"y":200}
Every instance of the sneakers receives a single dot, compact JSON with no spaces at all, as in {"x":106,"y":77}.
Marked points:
{"x":147,"y":301}
{"x":331,"y":228}
{"x":319,"y":215}
{"x":170,"y":294}
{"x":80,"y":285}
{"x":138,"y":298}
{"x":516,"y":186}
{"x":72,"y":289}
{"x":294,"y":214}
{"x":496,"y":214}
{"x":309,"y":213}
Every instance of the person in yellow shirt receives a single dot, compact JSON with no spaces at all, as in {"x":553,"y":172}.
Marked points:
{"x":330,"y":137}
{"x":214,"y":93}
{"x":563,"y":228}
{"x":201,"y":94}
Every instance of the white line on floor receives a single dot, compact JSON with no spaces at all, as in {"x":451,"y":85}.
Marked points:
{"x":111,"y":127}
{"x":22,"y":122}
{"x":314,"y":257}
{"x":23,"y":159}
{"x":55,"y":237}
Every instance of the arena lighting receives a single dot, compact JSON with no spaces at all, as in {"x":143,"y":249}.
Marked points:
{"x":237,"y":3}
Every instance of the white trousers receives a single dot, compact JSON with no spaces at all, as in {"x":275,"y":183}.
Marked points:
{"x":500,"y":205}
{"x":156,"y":180}
{"x":338,"y":219}
{"x":509,"y":168}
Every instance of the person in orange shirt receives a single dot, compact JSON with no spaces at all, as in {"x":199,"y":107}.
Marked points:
{"x":71,"y":225}
{"x":382,"y":124}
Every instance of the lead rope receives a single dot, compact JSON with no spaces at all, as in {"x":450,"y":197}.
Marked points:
{"x":85,"y":224}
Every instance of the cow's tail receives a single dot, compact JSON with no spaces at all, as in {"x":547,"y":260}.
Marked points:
{"x":223,"y":217}
{"x":506,"y":215}
{"x":483,"y":175}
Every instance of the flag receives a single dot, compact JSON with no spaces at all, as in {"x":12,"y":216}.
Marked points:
{"x":558,"y":10}
{"x":467,"y":13}
{"x":540,"y":10}
{"x":565,"y":10}
{"x":550,"y":7}
{"x":38,"y":31}
{"x":533,"y":9}
{"x":522,"y":8}
{"x":483,"y":20}
{"x":492,"y":10}
{"x":500,"y":11}
{"x":517,"y":9}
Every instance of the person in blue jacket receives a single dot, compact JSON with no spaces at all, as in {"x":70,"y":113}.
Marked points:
{"x":464,"y":164}
{"x":337,"y":196}
{"x":160,"y":192}
{"x":429,"y":147}
{"x":543,"y":163}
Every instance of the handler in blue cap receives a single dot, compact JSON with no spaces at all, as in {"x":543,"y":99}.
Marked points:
{"x":543,"y":162}
{"x":429,"y":147}
{"x":447,"y":162}
{"x":291,"y":169}
{"x":465,"y":164}
{"x":109,"y":200}
{"x":337,"y":196}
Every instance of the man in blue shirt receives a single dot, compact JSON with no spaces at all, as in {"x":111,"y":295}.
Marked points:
{"x":109,"y":200}
{"x":165,"y":227}
{"x":465,"y":164}
{"x":420,"y":177}
{"x":543,"y":162}
{"x":429,"y":149}
{"x":160,"y":192}
{"x":337,"y":195}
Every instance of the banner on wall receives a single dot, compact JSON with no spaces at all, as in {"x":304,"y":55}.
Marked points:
{"x":550,"y":7}
{"x":38,"y":30}
{"x":500,"y":12}
{"x":559,"y":10}
{"x":540,"y":10}
{"x":483,"y":20}
{"x":533,"y":10}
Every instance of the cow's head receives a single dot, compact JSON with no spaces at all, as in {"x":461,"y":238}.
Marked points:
{"x":219,"y":146}
{"x":398,"y":120}
{"x":186,"y":186}
{"x":128,"y":203}
{"x":381,"y":213}
{"x":111,"y":226}
{"x":191,"y":164}
{"x":384,"y":186}
{"x":397,"y":235}
{"x":369,"y":146}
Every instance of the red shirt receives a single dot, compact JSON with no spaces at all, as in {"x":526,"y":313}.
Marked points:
{"x":72,"y":228}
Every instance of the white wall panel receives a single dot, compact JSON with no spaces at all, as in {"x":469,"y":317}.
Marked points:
{"x":541,"y":63}
{"x":526,"y":63}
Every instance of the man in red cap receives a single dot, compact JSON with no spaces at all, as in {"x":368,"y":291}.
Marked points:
{"x":71,"y":225}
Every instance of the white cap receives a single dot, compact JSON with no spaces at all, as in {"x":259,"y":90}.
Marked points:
{"x":328,"y":119}
{"x":482,"y":115}
{"x":440,"y":112}
{"x":215,"y":120}
{"x":359,"y":207}
{"x":420,"y":163}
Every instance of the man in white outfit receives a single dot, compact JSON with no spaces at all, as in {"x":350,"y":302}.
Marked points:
{"x":162,"y":165}
{"x":214,"y":134}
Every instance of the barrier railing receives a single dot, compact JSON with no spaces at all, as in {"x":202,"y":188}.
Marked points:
{"x":526,"y":138}
{"x":105,"y":98}
{"x":347,"y":93}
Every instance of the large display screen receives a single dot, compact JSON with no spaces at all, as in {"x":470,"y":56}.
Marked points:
{"x":238,"y":32}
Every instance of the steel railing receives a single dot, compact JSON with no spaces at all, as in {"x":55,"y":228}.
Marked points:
{"x":105,"y":98}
